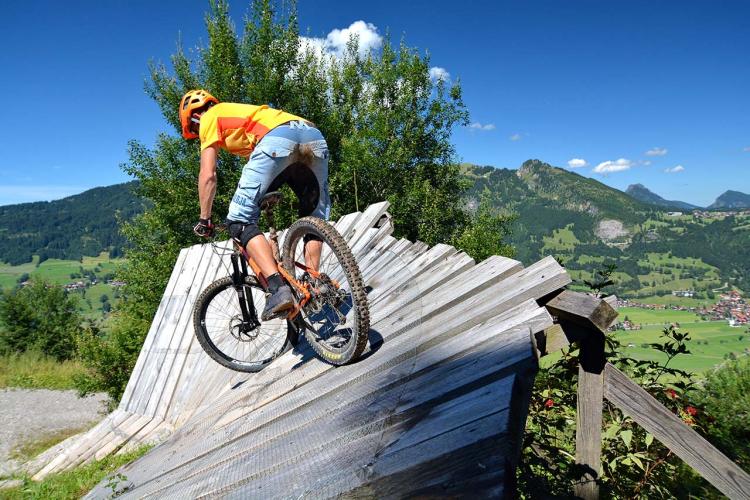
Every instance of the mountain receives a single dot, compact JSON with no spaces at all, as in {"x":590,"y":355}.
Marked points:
{"x":642,"y":193}
{"x":82,"y":224}
{"x":731,"y":199}
{"x":586,"y":223}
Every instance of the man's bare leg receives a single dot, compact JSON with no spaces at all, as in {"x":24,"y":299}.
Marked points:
{"x":260,"y":250}
{"x":313,"y":249}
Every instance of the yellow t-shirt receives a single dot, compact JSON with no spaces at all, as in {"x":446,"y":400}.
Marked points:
{"x":239,"y":127}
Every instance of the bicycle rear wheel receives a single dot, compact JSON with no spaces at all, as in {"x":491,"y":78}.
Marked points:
{"x":219,"y":327}
{"x":336,"y":321}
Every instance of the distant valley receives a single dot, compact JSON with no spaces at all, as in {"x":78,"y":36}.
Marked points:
{"x":659,"y":246}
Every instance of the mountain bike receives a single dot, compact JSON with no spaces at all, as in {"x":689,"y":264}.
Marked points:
{"x":331,"y":304}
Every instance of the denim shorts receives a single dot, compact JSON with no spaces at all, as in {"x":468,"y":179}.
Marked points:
{"x":272,"y":163}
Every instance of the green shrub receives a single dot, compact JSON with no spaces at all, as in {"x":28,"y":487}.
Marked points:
{"x":41,"y":317}
{"x":726,"y":397}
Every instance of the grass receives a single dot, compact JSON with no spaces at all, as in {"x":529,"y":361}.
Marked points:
{"x":561,"y":240}
{"x":710,"y":341}
{"x":58,"y":271}
{"x":77,"y":482}
{"x":32,"y":370}
{"x":9,"y":274}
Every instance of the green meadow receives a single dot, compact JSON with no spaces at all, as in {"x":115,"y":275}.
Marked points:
{"x":59,"y":272}
{"x":711,"y":341}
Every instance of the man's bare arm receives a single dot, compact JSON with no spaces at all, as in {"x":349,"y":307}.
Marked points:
{"x":207,"y":181}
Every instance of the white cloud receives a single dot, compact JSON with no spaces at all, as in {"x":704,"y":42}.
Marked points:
{"x":609,"y":166}
{"x":515,"y":137}
{"x":675,"y":169}
{"x":646,"y":163}
{"x":746,"y":150}
{"x":437,"y":73}
{"x":335,"y":42}
{"x":656,"y":152}
{"x":486,"y":127}
{"x":577,"y":163}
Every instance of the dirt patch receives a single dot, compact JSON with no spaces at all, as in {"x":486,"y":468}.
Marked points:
{"x":611,"y":229}
{"x":33,"y":418}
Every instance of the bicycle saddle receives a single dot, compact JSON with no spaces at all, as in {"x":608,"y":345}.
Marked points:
{"x":270,"y":200}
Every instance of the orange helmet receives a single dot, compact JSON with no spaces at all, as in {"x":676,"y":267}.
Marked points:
{"x":193,"y":100}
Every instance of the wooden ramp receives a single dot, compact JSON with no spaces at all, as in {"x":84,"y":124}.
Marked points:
{"x":436,"y":406}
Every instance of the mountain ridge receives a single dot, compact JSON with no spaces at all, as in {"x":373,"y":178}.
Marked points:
{"x":642,"y":193}
{"x":731,"y":199}
{"x":86,"y":223}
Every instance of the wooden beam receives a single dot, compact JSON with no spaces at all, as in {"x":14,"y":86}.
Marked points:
{"x":589,"y":432}
{"x":582,"y":309}
{"x":667,"y":427}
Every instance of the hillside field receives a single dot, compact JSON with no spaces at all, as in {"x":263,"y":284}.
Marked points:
{"x":59,"y":272}
{"x":710,"y":341}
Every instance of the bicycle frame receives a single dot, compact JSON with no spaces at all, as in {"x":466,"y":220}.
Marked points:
{"x":302,"y":288}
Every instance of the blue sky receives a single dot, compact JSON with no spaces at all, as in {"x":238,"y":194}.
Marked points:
{"x":641,"y":91}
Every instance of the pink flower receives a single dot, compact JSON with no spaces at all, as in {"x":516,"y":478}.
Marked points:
{"x":671,"y":393}
{"x":692,"y":411}
{"x":549,"y":403}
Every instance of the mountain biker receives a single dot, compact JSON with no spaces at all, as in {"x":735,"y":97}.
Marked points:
{"x":282,"y":148}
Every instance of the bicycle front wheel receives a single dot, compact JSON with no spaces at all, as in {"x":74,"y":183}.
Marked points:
{"x":336,"y":321}
{"x":226,"y":336}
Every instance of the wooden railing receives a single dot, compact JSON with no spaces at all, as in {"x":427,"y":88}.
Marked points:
{"x":583,"y":319}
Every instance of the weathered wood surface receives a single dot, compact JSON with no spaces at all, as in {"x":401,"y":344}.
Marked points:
{"x":667,"y":427}
{"x":445,"y":380}
{"x":582,"y":309}
{"x":289,"y":388}
{"x":589,"y":432}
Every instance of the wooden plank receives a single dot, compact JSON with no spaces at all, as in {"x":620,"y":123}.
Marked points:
{"x":417,"y":290}
{"x":70,"y":454}
{"x":477,"y":360}
{"x":353,"y":456}
{"x":167,"y":385}
{"x":582,"y":309}
{"x":137,"y":372}
{"x":297,"y":404}
{"x":143,"y":391}
{"x":589,"y":432}
{"x":174,"y":358}
{"x":667,"y":427}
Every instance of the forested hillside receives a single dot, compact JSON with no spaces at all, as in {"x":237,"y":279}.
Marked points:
{"x":586,"y":223}
{"x":83,"y":224}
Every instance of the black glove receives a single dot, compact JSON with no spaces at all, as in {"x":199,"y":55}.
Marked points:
{"x":204,"y":228}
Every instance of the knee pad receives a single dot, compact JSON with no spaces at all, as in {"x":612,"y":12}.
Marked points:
{"x":242,"y":231}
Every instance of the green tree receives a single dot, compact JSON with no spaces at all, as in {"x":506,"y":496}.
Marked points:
{"x":40,"y":317}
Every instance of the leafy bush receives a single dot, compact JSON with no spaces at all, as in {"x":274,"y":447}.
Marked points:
{"x":726,"y":397}
{"x":634,"y":465}
{"x":39,"y":317}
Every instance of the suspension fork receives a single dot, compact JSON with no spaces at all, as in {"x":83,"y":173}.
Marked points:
{"x":247,"y":306}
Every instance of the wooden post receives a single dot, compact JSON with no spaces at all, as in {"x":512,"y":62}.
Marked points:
{"x":589,"y":414}
{"x":584,"y":319}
